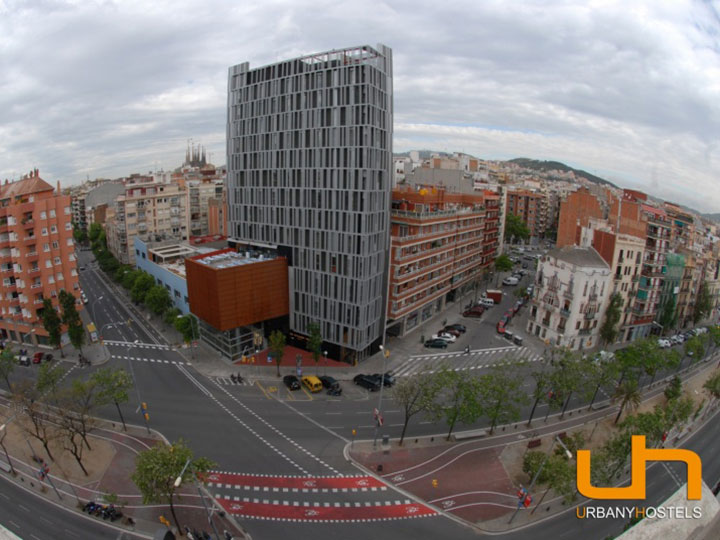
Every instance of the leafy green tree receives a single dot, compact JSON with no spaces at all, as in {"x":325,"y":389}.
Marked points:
{"x":94,"y":232}
{"x":501,"y":395}
{"x":542,"y":387}
{"x":80,"y":236}
{"x":121,"y":272}
{"x":277,"y":348}
{"x":561,"y":475}
{"x":129,"y":277}
{"x":674,"y":388}
{"x":568,"y":377}
{"x":628,"y":395}
{"x":157,"y":469}
{"x":158,"y":299}
{"x":52,"y":324}
{"x":703,"y":303}
{"x":458,"y":399}
{"x":675,"y":412}
{"x":502,"y":264}
{"x":668,"y":315}
{"x":712,"y":385}
{"x":113,"y":387}
{"x":609,"y":328}
{"x":414,"y":395}
{"x":515,"y":229}
{"x":599,"y":372}
{"x":694,"y":348}
{"x":7,"y":365}
{"x":714,"y":336}
{"x":48,"y":379}
{"x":532,"y":462}
{"x":71,"y":319}
{"x":188,"y":327}
{"x":140,"y":288}
{"x":315,"y":342}
{"x":171,"y":315}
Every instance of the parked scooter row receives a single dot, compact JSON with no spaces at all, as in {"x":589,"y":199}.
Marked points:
{"x":107,"y":511}
{"x":197,"y":535}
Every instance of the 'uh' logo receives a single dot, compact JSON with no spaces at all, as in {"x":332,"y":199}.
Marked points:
{"x":640,"y":455}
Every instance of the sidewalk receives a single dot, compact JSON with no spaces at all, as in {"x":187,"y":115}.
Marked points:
{"x":476,"y":480}
{"x":110,"y":465}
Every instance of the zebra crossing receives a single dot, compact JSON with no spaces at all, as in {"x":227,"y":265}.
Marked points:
{"x":460,"y":361}
{"x":149,"y":360}
{"x":227,"y":381}
{"x":155,"y":346}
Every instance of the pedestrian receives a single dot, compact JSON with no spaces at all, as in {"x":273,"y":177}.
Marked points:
{"x":467,"y":349}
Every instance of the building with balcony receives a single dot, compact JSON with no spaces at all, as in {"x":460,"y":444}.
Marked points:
{"x":37,"y":255}
{"x":440,"y":243}
{"x":624,"y":253}
{"x":153,"y":211}
{"x":531,"y":207}
{"x":198,"y":194}
{"x":78,"y":210}
{"x":572,"y":289}
{"x":309,"y":144}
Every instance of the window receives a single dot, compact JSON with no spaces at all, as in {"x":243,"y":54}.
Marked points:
{"x":68,"y":226}
{"x":43,"y":215}
{"x":48,"y":263}
{"x":67,"y":210}
{"x":44,"y":231}
{"x":59,"y":277}
{"x":55,"y":245}
{"x":52,"y":213}
{"x":46,"y":247}
{"x":56,"y":260}
{"x":177,"y":294}
{"x":53,"y":229}
{"x":69,"y":241}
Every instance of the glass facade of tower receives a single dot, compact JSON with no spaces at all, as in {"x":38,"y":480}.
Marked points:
{"x":309,"y":154}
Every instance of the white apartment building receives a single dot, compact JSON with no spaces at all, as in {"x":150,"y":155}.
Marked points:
{"x":572,"y":288}
{"x":152,"y":211}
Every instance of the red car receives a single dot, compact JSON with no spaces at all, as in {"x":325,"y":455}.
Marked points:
{"x":472,"y":313}
{"x":501,"y":327}
{"x":37,"y":357}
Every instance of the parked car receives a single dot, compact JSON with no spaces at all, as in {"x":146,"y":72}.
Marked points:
{"x":486,"y":302}
{"x":518,"y":305}
{"x":501,"y":326}
{"x":292,"y":382}
{"x":451,"y":331}
{"x":386,"y":379}
{"x":37,"y":357}
{"x":366,"y":382}
{"x":472,"y":313}
{"x":436,"y":344}
{"x":457,"y":326}
{"x":48,"y":357}
{"x":447,"y":337}
{"x":677,"y":339}
{"x":312,"y":383}
{"x":328,"y":382}
{"x":23,"y":360}
{"x":664,"y":343}
{"x":510,"y":281}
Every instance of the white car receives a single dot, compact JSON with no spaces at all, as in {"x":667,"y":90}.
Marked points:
{"x":664,"y":343}
{"x":510,"y":281}
{"x":487,"y":302}
{"x":445,"y":337}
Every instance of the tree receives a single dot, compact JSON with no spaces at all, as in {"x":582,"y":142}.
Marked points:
{"x":129,"y":277}
{"x":712,"y":385}
{"x":315,"y":342}
{"x":414,"y":394}
{"x":674,"y":388}
{"x":609,"y":330}
{"x":542,"y":387}
{"x":80,"y":236}
{"x":71,"y":319}
{"x":140,"y":288}
{"x":515,"y":229}
{"x":600,"y":372}
{"x":668,"y":316}
{"x":77,"y":404}
{"x":458,"y":399}
{"x":94,"y":232}
{"x":52,"y":324}
{"x":501,"y":395}
{"x":714,"y":336}
{"x":568,"y":377}
{"x":171,"y":315}
{"x":703,"y":303}
{"x":502,"y":264}
{"x":157,"y":468}
{"x":694,"y":348}
{"x":187,"y":326}
{"x":628,"y":395}
{"x":7,"y":365}
{"x":277,"y":348}
{"x":113,"y":387}
{"x":49,"y":376}
{"x":158,"y":299}
{"x":121,"y":272}
{"x":34,"y":420}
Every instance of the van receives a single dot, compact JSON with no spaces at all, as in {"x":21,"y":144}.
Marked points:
{"x":312,"y":383}
{"x":486,"y":302}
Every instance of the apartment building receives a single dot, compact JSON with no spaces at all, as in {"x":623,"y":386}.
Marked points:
{"x":37,"y":255}
{"x":624,"y":254}
{"x":531,"y":207}
{"x":440,"y":242}
{"x":571,"y":293}
{"x":198,"y":194}
{"x":576,"y":209}
{"x":77,"y":205}
{"x":150,"y":210}
{"x":310,"y":171}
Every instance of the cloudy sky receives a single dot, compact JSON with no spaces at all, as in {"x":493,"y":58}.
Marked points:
{"x":628,"y":90}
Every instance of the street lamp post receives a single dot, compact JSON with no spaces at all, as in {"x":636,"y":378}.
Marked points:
{"x":92,"y":306}
{"x":325,"y":355}
{"x":178,"y":482}
{"x":378,"y":419}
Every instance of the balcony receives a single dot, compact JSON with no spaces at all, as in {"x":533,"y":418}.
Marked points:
{"x":28,"y":223}
{"x":29,"y":239}
{"x":584,"y":331}
{"x":31,"y":255}
{"x":36,"y":285}
{"x":617,"y":277}
{"x":589,"y":315}
{"x":33,"y":271}
{"x":560,"y":329}
{"x":565,"y":313}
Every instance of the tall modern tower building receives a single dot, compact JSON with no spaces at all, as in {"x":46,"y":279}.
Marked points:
{"x":309,"y":154}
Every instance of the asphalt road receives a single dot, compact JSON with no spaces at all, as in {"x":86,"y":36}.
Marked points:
{"x":245,"y":432}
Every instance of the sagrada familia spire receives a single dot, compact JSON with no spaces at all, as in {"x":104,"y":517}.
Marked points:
{"x":195,"y":156}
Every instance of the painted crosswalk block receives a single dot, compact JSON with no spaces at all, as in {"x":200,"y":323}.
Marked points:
{"x":149,"y":360}
{"x":462,"y":361}
{"x":227,"y":381}
{"x":155,"y":346}
{"x":324,"y":484}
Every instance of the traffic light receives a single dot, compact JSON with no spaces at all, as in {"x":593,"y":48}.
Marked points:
{"x":143,"y":407}
{"x":434,"y":483}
